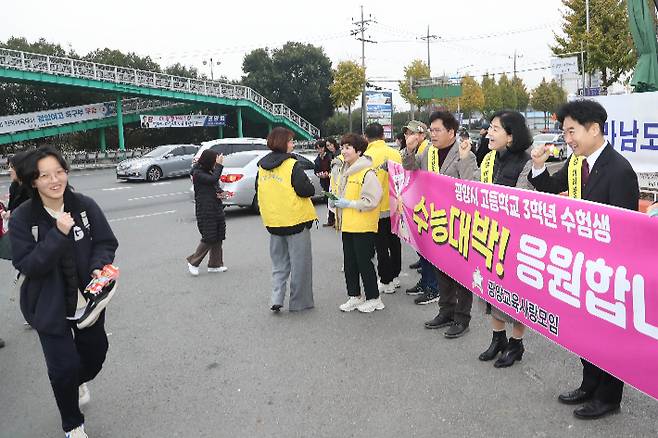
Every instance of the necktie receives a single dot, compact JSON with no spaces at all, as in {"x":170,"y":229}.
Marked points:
{"x":584,"y":172}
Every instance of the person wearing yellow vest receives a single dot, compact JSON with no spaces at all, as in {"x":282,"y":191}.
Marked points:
{"x":442,"y":157}
{"x":507,"y":164}
{"x":284,"y":198}
{"x":357,"y":217}
{"x":387,"y":244}
{"x":606,"y":177}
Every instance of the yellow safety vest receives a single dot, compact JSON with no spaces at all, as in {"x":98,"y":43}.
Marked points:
{"x":487,"y":168}
{"x":422,"y":147}
{"x":279,"y":204}
{"x":353,"y":220}
{"x":380,"y":153}
{"x":574,"y":176}
{"x":433,"y":162}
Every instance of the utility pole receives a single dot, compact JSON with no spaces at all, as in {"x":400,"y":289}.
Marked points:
{"x":589,"y":76}
{"x":359,"y":33}
{"x":212,"y":74}
{"x":428,"y":38}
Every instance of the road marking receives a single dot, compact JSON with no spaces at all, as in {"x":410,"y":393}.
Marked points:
{"x":141,"y":216}
{"x":111,"y":189}
{"x":161,"y":183}
{"x":162,"y":195}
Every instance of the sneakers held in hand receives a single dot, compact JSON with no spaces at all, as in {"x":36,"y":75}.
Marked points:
{"x":98,"y":293}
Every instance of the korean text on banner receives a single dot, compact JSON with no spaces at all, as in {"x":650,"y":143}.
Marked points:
{"x":580,"y":273}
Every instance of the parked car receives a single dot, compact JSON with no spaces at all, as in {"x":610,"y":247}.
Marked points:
{"x":228,"y":146}
{"x":166,"y":161}
{"x":560,"y":150}
{"x":239,"y":177}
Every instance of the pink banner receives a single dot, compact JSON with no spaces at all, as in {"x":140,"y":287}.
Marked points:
{"x":584,"y":275}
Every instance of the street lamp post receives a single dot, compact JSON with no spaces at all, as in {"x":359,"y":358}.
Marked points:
{"x":211,"y":62}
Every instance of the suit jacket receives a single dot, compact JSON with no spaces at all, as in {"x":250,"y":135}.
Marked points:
{"x":612,"y":181}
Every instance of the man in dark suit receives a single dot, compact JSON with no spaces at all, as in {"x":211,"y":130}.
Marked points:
{"x":608,"y":178}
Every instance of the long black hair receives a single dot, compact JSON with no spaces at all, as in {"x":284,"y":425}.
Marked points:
{"x":207,"y":160}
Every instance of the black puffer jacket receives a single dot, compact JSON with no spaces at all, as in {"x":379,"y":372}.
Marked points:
{"x":209,"y":209}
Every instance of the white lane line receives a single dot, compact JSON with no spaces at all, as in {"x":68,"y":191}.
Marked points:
{"x":161,"y":183}
{"x":111,"y":189}
{"x":141,"y":216}
{"x":162,"y":195}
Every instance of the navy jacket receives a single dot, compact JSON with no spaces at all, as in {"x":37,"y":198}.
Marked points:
{"x":91,"y":242}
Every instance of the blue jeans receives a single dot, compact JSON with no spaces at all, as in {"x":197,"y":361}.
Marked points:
{"x":427,"y":276}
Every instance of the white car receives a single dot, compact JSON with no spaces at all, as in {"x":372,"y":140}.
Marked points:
{"x":239,"y":177}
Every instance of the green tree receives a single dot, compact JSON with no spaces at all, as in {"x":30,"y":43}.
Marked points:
{"x":547,"y":97}
{"x":609,"y":45}
{"x":472,"y":96}
{"x":492,"y":99}
{"x":298,"y":75}
{"x":129,"y":60}
{"x":349,"y":79}
{"x":522,"y":95}
{"x":507,"y":94}
{"x":412,"y":73}
{"x":179,"y":69}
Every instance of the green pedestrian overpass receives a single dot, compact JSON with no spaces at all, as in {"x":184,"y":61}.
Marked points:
{"x":187,"y":93}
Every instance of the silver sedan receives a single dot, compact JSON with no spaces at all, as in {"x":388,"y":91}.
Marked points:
{"x":239,"y":177}
{"x":162,"y":162}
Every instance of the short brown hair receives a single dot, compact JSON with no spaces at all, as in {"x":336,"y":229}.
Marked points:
{"x":278,"y":139}
{"x":356,"y":141}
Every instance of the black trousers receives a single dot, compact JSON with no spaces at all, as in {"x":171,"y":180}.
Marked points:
{"x":73,"y":359}
{"x":389,"y":252}
{"x":603,"y":386}
{"x":454,"y":299}
{"x":324,"y":183}
{"x":358,"y":250}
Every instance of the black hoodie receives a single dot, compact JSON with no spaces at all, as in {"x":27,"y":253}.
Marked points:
{"x":300,"y":183}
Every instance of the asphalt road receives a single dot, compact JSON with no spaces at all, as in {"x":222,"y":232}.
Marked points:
{"x":205,"y":357}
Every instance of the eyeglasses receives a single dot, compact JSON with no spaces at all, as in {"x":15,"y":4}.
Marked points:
{"x":59,"y":174}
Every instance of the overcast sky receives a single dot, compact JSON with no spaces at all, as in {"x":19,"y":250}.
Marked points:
{"x":476,"y":36}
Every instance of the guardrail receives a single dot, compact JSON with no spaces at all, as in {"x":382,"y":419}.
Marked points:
{"x":26,"y":61}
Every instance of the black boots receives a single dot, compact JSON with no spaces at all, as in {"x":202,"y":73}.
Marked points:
{"x":498,"y":344}
{"x":512,"y":353}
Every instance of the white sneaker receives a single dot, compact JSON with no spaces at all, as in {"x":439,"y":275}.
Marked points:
{"x":220,"y":269}
{"x":352,"y":303}
{"x":194,"y":270}
{"x":83,"y":395}
{"x":369,"y":306}
{"x":78,"y":432}
{"x":386,"y":288}
{"x":396,"y":282}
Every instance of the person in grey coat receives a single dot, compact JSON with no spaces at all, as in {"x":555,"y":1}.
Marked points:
{"x":442,"y":157}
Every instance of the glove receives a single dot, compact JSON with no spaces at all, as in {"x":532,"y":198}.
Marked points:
{"x":332,"y":203}
{"x":343,"y":203}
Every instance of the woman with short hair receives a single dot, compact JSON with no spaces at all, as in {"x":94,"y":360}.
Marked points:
{"x":508,"y":164}
{"x":284,"y":198}
{"x":60,"y":241}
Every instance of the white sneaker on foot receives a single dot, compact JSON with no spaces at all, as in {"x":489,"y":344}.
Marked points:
{"x":352,"y":303}
{"x":386,"y":288}
{"x":220,"y":269}
{"x":194,"y":270}
{"x":369,"y":306}
{"x":396,"y":282}
{"x":78,"y":432}
{"x":83,"y":395}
